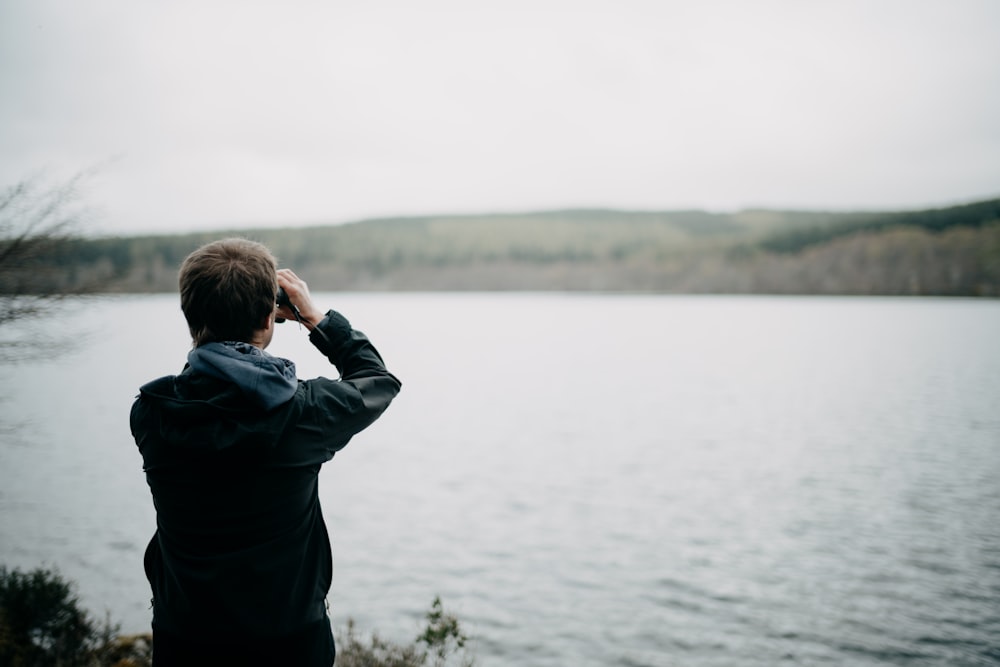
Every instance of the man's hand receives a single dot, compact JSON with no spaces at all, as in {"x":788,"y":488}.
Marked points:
{"x":298,"y":294}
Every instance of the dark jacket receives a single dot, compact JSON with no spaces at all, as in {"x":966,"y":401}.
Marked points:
{"x":240,"y":547}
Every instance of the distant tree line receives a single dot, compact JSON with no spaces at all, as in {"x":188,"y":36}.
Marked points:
{"x":947,"y":251}
{"x":798,"y":238}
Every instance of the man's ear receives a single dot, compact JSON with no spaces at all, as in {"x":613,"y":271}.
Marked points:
{"x":268,"y":322}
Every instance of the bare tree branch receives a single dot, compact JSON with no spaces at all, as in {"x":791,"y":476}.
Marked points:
{"x":39,"y":226}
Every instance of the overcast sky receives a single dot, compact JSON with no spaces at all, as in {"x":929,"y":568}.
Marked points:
{"x":214,"y":113}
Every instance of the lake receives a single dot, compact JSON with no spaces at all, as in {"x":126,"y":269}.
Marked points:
{"x":588,"y":479}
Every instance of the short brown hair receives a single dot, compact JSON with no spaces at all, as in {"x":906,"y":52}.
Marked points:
{"x":227,"y":289}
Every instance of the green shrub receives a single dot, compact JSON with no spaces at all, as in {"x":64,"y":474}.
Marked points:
{"x":41,"y":622}
{"x":443,"y":638}
{"x":43,"y":625}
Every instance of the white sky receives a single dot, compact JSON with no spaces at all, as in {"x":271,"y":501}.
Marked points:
{"x":213,"y":113}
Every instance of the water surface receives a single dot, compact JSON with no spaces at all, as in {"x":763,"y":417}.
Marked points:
{"x":591,"y":479}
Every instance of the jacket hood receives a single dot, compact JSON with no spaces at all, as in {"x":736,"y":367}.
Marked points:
{"x":224,"y":398}
{"x":266,"y":380}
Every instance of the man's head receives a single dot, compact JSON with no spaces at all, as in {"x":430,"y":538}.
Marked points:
{"x":227,"y":291}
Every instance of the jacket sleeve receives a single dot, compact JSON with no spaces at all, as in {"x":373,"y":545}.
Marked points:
{"x":365,"y":388}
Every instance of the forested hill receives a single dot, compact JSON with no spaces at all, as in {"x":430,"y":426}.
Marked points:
{"x":944,"y":251}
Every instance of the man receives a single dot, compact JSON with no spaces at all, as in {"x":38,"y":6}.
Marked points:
{"x":240,"y":564}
